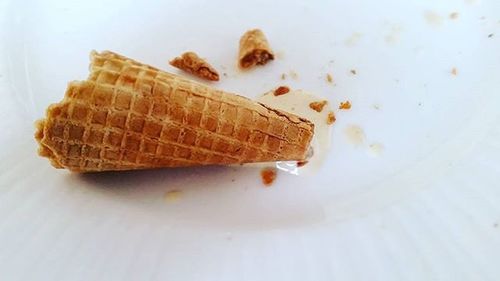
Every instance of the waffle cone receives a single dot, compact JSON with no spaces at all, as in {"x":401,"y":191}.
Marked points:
{"x":128,"y":115}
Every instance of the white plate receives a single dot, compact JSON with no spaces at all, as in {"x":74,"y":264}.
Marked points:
{"x":425,"y":208}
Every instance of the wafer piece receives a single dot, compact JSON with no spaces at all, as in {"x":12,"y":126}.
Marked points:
{"x":254,"y":49}
{"x":192,"y":63}
{"x":128,"y":115}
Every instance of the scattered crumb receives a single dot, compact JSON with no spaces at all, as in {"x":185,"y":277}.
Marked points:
{"x":281,"y":90}
{"x":353,"y":71}
{"x":419,"y":104}
{"x":376,"y":106}
{"x":454,"y":16}
{"x":432,"y":18}
{"x":375,"y":149}
{"x":490,"y":35}
{"x":173,"y":195}
{"x":280,"y":55}
{"x":482,"y":18}
{"x":283,"y":76}
{"x":393,"y":36}
{"x":225,"y":74}
{"x":353,"y":39}
{"x":229,"y":236}
{"x":495,"y":225}
{"x":330,"y":118}
{"x":354,"y":134}
{"x":329,"y":78}
{"x":454,"y":71}
{"x":268,"y":175}
{"x":293,"y":74}
{"x":233,"y":180}
{"x":301,"y":163}
{"x":345,"y":105}
{"x":318,"y":105}
{"x":192,"y":63}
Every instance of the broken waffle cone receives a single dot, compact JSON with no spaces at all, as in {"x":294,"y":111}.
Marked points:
{"x":128,"y":115}
{"x":254,"y":49}
{"x":192,"y":63}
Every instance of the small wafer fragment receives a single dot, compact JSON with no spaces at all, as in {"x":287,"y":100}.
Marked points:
{"x":318,"y":105}
{"x":254,"y":49}
{"x":192,"y":63}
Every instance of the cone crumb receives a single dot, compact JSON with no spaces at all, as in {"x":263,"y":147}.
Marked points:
{"x":301,"y":163}
{"x":345,"y":105}
{"x":268,"y":176}
{"x":454,"y":71}
{"x":454,"y":16}
{"x":283,"y":76}
{"x":281,"y":90}
{"x":173,"y":195}
{"x":192,"y":63}
{"x":329,"y":78}
{"x":254,"y":49}
{"x":318,"y":105}
{"x":293,"y":74}
{"x":353,"y":71}
{"x":330,"y":118}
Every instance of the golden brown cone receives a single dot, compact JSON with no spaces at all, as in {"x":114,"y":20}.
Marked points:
{"x":128,"y":115}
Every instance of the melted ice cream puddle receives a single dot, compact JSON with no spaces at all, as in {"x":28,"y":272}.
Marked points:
{"x":297,"y":102}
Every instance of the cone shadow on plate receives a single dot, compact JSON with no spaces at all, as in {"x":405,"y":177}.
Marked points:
{"x":143,"y":182}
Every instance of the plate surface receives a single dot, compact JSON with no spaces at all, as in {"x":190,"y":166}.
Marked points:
{"x":416,"y":199}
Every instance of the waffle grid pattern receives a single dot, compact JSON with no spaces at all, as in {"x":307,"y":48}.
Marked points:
{"x":132,"y":116}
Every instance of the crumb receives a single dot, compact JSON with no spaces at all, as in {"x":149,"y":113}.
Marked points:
{"x":419,"y":104}
{"x":225,"y":74}
{"x":268,"y":176}
{"x":190,"y":62}
{"x":173,"y":195}
{"x":293,"y":74}
{"x":329,"y":78}
{"x":495,"y":225}
{"x":454,"y":16}
{"x":490,"y":35}
{"x":354,"y":135}
{"x":283,"y":76}
{"x":301,"y":163}
{"x":281,"y":90}
{"x":345,"y":105}
{"x":318,"y":105}
{"x":254,"y":49}
{"x":330,"y":118}
{"x":353,"y":71}
{"x":454,"y":71}
{"x":376,"y":106}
